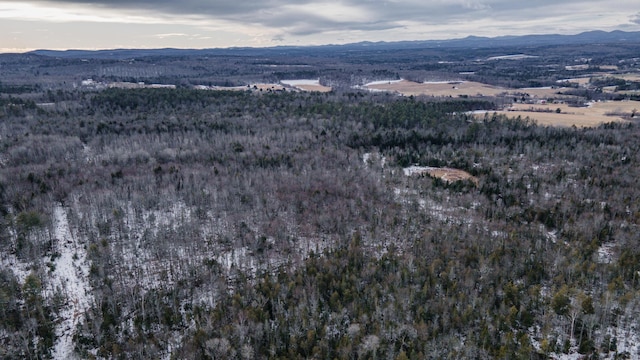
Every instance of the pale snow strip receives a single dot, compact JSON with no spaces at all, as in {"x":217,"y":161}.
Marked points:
{"x":71,"y":277}
{"x":452,"y":82}
{"x":537,"y":88}
{"x":512,"y":57}
{"x":301,"y":82}
{"x":480,"y":112}
{"x":383,"y":82}
{"x":411,"y":170}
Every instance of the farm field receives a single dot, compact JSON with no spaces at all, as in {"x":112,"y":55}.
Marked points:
{"x":580,"y":81}
{"x":307,"y":85}
{"x":597,"y":113}
{"x":458,"y":88}
{"x":255,"y":87}
{"x":628,"y":77}
{"x":444,"y":88}
{"x":544,"y":92}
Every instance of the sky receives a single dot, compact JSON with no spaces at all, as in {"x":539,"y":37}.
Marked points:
{"x":109,"y":24}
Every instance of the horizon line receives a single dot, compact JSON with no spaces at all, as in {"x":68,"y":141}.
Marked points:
{"x":27,"y":51}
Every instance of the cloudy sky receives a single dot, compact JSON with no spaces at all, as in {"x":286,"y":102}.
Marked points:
{"x":107,"y":24}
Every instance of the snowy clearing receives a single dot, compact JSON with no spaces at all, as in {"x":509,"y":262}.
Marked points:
{"x":382,"y":82}
{"x":301,"y":82}
{"x":70,"y":277}
{"x":448,"y":175}
{"x":306,"y":85}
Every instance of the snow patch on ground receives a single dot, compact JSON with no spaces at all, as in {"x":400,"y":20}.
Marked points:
{"x":414,"y":169}
{"x":89,"y":156}
{"x":373,"y":158}
{"x":574,"y":356}
{"x":439,"y":211}
{"x":239,"y":258}
{"x":550,"y":235}
{"x":20,"y":269}
{"x":71,"y":277}
{"x":605,"y":253}
{"x":10,"y":261}
{"x":301,"y":82}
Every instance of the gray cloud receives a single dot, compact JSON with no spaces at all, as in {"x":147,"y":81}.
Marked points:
{"x":381,"y":14}
{"x":307,"y":21}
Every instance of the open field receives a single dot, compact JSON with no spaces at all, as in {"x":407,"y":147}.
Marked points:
{"x":448,"y":175}
{"x":543,"y":92}
{"x":311,"y":87}
{"x":601,"y":75}
{"x":586,"y":79}
{"x":444,"y":88}
{"x":255,"y":87}
{"x":580,"y":81}
{"x":307,"y":85}
{"x":597,"y":113}
{"x":458,"y":88}
{"x":608,"y":67}
{"x":628,"y":77}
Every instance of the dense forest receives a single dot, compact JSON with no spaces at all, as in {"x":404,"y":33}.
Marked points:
{"x":231,"y":224}
{"x":184,"y":223}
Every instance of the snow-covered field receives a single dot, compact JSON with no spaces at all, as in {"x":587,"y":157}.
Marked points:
{"x":301,"y":82}
{"x":306,"y":85}
{"x":512,"y":57}
{"x":382,"y":82}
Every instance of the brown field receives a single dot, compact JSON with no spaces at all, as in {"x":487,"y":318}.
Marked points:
{"x":629,"y":77}
{"x":459,"y":88}
{"x":451,"y":175}
{"x":596,"y":114}
{"x":448,"y":175}
{"x":453,"y":88}
{"x":629,"y":92}
{"x":580,"y":81}
{"x":313,"y":87}
{"x":600,"y":75}
{"x":543,"y":93}
{"x":306,"y":85}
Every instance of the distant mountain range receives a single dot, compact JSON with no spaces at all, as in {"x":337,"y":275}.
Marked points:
{"x":591,"y":37}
